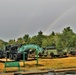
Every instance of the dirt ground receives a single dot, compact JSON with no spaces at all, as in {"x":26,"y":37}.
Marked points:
{"x":43,"y":63}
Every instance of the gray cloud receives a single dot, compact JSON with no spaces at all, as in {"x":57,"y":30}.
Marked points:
{"x":19,"y":17}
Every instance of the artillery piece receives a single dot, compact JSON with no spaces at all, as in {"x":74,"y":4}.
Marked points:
{"x":16,"y":52}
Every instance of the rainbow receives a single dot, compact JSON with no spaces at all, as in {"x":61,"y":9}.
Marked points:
{"x":59,"y":18}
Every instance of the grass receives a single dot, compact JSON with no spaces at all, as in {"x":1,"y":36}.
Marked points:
{"x":57,"y":63}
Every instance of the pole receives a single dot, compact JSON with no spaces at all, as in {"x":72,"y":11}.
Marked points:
{"x":37,"y":57}
{"x":24,"y":58}
{"x":5,"y":62}
{"x":6,"y":58}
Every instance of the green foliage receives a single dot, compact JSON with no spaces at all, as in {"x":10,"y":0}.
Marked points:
{"x":1,"y":44}
{"x":26,"y":38}
{"x":37,"y":39}
{"x":20,"y":41}
{"x":49,"y":40}
{"x":34,"y":40}
{"x":11,"y":42}
{"x":52,"y":33}
{"x":61,"y":41}
{"x":40,"y":33}
{"x":66,"y":39}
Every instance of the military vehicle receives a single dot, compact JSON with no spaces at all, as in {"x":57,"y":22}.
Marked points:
{"x":53,"y":52}
{"x":72,"y":51}
{"x":2,"y":53}
{"x":15,"y":52}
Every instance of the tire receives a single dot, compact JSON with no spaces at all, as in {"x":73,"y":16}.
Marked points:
{"x":52,"y":54}
{"x":40,"y":55}
{"x":15,"y":57}
{"x":0,"y":55}
{"x":26,"y":56}
{"x":10,"y":56}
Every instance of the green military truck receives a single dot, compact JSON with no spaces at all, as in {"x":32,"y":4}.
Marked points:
{"x":15,"y":52}
{"x":72,"y":51}
{"x":53,"y":52}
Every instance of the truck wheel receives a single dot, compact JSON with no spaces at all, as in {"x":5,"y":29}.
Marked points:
{"x":0,"y":55}
{"x":26,"y":56}
{"x":10,"y":56}
{"x":52,"y":54}
{"x":15,"y":57}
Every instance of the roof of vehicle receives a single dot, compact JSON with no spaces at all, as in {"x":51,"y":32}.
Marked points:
{"x":50,"y":47}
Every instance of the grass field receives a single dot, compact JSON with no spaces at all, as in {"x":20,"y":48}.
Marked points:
{"x":44,"y":63}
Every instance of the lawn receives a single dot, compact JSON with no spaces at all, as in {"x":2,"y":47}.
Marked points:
{"x":45,"y":63}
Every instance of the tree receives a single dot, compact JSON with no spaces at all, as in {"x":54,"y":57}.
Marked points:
{"x":5,"y":43}
{"x":1,"y":44}
{"x":37,"y":39}
{"x":11,"y":42}
{"x":26,"y":38}
{"x":52,"y":33}
{"x":33,"y":40}
{"x":72,"y":41}
{"x":65,"y":39}
{"x":49,"y":41}
{"x":20,"y":41}
{"x":46,"y":42}
{"x":40,"y":33}
{"x":40,"y":37}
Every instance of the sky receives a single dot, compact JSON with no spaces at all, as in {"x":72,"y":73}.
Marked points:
{"x":20,"y":17}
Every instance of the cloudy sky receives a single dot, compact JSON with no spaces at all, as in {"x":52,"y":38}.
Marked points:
{"x":19,"y":17}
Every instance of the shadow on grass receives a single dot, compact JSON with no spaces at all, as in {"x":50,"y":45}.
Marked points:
{"x":30,"y":60}
{"x":55,"y":57}
{"x":33,"y":65}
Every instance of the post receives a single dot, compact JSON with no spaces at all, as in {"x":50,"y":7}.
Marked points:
{"x":37,"y":57}
{"x":6,"y":56}
{"x":5,"y":63}
{"x":24,"y":58}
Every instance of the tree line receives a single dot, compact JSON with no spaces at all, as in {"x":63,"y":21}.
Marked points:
{"x":65,"y":39}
